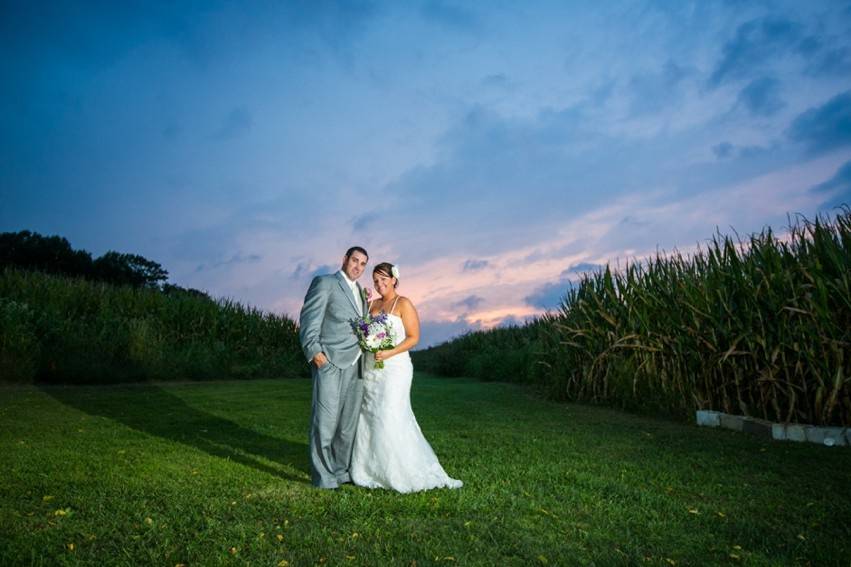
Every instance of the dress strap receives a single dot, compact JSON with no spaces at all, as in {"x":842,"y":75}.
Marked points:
{"x":394,"y":305}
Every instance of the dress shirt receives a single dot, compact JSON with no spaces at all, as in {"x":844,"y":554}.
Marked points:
{"x":358,"y":301}
{"x":355,"y":293}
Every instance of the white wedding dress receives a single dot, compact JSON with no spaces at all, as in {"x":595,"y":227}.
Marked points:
{"x":390,"y":450}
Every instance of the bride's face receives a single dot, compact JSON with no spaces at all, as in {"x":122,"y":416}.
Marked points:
{"x":383,"y":284}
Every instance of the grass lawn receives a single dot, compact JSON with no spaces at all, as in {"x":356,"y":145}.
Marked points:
{"x":216,"y":473}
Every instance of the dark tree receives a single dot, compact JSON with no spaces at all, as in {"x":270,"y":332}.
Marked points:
{"x":52,"y":254}
{"x":129,"y":269}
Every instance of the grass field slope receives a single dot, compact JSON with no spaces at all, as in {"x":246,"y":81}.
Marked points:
{"x":215,"y":473}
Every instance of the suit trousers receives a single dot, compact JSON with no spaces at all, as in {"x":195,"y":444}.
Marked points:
{"x":337,"y":396}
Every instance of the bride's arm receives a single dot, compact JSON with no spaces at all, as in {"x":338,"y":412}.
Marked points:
{"x":411,"y":321}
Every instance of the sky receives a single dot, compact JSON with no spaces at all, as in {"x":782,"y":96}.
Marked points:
{"x":495,"y":151}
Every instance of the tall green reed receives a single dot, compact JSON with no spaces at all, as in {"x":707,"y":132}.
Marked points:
{"x":758,"y":327}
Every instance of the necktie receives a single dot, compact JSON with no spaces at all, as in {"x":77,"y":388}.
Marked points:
{"x":357,"y":297}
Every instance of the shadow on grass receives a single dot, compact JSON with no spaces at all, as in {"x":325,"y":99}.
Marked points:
{"x":155,"y":411}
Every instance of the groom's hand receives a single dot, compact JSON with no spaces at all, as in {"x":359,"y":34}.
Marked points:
{"x":320,"y":360}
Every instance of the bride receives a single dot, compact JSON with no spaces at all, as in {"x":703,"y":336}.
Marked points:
{"x":390,"y":450}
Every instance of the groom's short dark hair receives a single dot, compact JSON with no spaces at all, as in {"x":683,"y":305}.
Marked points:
{"x":354,"y":249}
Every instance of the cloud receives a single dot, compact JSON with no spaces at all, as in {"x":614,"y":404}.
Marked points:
{"x":629,"y":222}
{"x":569,"y":249}
{"x":826,"y":55}
{"x":237,"y":123}
{"x":324,"y":269}
{"x":654,"y":92}
{"x":496,"y":169}
{"x":340,"y":24}
{"x":496,"y":80}
{"x":362,"y":222}
{"x":810,"y":46}
{"x":754,"y":44}
{"x":449,"y":15}
{"x":723,"y":150}
{"x":435,"y":332}
{"x":470,"y":302}
{"x":761,"y":97}
{"x":171,"y":132}
{"x":835,"y":62}
{"x":726,"y":150}
{"x":472,"y":265}
{"x":513,"y":321}
{"x":825,"y":127}
{"x":549,"y":296}
{"x":306,"y":270}
{"x":837,"y":189}
{"x":603,"y":93}
{"x":233,"y":260}
{"x":584,"y":267}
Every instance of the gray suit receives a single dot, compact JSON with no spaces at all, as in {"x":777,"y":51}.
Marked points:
{"x":325,"y":326}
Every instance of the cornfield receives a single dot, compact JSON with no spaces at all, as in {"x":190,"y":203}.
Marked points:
{"x":60,"y":329}
{"x":758,"y":327}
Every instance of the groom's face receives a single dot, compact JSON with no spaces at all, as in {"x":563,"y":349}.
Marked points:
{"x":354,"y":265}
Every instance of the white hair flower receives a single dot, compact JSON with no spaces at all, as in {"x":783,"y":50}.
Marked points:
{"x":395,"y":271}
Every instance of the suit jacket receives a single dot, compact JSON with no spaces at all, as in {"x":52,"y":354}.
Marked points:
{"x":325,"y":320}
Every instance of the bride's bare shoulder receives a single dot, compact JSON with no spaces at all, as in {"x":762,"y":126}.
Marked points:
{"x":405,"y":302}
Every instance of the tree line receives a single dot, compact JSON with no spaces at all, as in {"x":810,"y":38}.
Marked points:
{"x":54,"y":255}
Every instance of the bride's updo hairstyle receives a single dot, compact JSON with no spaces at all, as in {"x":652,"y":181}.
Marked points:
{"x":386,"y":269}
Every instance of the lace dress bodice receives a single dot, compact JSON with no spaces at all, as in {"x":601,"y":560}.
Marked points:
{"x":399,"y":360}
{"x":390,"y":450}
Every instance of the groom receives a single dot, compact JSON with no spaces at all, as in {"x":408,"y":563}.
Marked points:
{"x":329,"y":343}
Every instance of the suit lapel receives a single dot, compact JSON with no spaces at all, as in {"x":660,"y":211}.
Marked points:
{"x":347,"y":291}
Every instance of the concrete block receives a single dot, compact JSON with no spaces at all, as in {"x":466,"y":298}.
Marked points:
{"x":795,"y":432}
{"x":758,"y":427}
{"x":815,"y":435}
{"x":708,"y":418}
{"x":734,"y":422}
{"x":841,"y":435}
{"x":830,"y":436}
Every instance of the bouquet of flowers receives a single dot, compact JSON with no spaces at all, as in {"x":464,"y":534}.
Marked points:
{"x":374,"y":333}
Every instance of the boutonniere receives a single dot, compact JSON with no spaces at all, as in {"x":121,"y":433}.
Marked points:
{"x":366,"y":293}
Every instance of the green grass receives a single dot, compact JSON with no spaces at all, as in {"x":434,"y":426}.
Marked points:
{"x":181,"y":473}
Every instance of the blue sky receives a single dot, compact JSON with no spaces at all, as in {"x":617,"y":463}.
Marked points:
{"x":494,"y":150}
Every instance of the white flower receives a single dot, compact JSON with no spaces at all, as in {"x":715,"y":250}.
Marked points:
{"x":395,"y":271}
